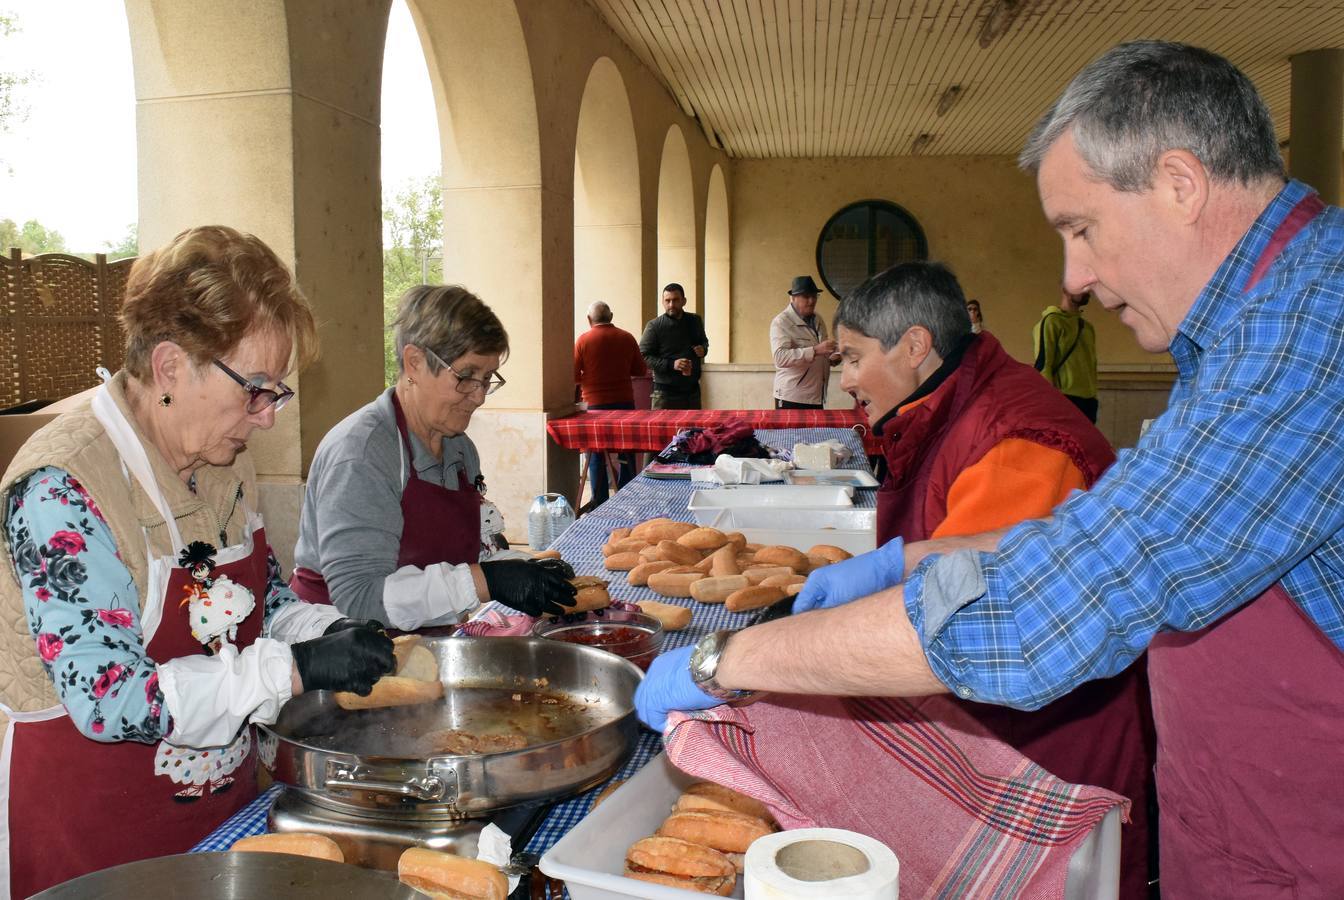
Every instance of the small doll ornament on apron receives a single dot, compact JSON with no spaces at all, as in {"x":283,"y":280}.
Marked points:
{"x":215,"y":606}
{"x":492,"y":525}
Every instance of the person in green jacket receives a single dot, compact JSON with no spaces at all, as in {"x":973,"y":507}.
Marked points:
{"x":1065,"y":345}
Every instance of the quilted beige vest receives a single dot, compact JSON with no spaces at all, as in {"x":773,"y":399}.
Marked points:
{"x":77,"y":443}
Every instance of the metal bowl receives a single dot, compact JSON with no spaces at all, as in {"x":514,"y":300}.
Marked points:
{"x":630,"y":635}
{"x":574,"y":704}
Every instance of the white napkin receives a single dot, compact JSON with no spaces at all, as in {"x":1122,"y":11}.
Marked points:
{"x":734,"y":470}
{"x":496,"y":847}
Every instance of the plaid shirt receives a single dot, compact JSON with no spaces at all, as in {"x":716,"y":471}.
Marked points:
{"x":1238,"y":485}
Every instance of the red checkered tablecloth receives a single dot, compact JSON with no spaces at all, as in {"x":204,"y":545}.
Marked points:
{"x":650,"y":430}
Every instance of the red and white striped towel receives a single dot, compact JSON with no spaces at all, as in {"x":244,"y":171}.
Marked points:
{"x":967,"y":815}
{"x":494,"y":623}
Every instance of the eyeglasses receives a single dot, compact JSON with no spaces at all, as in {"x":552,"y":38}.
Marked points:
{"x":467,"y":385}
{"x":259,"y":398}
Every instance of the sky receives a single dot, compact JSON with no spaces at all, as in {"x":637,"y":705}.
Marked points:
{"x":71,"y":164}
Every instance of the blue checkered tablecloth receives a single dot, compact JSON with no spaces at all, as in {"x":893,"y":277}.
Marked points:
{"x":581,"y":546}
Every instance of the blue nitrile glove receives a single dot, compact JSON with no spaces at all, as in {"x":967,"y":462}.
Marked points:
{"x":841,"y":582}
{"x":668,"y":686}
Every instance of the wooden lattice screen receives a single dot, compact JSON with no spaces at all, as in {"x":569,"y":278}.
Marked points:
{"x":58,"y":322}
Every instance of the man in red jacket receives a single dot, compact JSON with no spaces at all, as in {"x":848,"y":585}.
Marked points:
{"x":974,"y":441}
{"x":605,"y":359}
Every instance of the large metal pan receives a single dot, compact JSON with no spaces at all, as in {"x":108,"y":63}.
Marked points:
{"x":232,"y":876}
{"x":574,"y":704}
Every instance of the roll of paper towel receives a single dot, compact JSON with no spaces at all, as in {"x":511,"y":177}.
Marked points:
{"x":820,"y":862}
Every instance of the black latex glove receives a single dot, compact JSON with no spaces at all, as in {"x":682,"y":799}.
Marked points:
{"x":350,"y":659}
{"x":533,"y":586}
{"x":342,"y":624}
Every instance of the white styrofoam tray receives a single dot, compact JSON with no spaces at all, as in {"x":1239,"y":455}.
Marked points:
{"x":852,"y":529}
{"x":591,"y":857}
{"x":705,"y":504}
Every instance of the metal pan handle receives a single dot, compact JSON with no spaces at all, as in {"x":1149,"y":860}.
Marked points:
{"x":426,"y":787}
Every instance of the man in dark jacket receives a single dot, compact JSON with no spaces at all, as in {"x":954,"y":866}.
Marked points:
{"x":674,"y":346}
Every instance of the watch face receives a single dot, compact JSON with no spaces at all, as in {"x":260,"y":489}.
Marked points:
{"x":703,"y":657}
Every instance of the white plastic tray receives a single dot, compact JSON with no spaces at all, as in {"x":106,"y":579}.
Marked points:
{"x":591,"y":857}
{"x":851,"y":529}
{"x":705,"y":504}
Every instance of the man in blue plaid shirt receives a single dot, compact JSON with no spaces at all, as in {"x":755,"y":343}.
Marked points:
{"x":1218,"y":542}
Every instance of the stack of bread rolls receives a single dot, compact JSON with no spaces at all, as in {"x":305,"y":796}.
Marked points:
{"x":684,"y":560}
{"x":701,"y":844}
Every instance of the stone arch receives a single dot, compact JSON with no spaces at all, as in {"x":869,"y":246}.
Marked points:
{"x":482,"y":79}
{"x":268,"y":122}
{"x":717,"y":306}
{"x":608,"y":228}
{"x":676,"y":218}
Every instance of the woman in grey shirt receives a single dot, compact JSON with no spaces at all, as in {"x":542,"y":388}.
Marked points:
{"x":392,"y":515}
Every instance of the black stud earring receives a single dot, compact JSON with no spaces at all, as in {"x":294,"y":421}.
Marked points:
{"x":166,"y":399}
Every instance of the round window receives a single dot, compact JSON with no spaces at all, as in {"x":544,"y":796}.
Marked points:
{"x":865,"y":238}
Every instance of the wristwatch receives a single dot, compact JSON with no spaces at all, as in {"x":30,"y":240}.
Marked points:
{"x":705,"y":666}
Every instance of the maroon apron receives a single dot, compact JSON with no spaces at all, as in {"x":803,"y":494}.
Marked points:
{"x":437,"y":525}
{"x":77,"y":805}
{"x":1250,"y":725}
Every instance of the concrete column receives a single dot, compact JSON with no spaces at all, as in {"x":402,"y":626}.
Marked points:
{"x":1317,"y":121}
{"x":263,"y":115}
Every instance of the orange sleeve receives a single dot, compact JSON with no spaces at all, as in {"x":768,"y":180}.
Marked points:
{"x":1016,"y":480}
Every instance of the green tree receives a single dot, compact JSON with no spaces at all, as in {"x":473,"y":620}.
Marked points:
{"x":31,"y":237}
{"x":129,"y":245}
{"x":413,"y":241}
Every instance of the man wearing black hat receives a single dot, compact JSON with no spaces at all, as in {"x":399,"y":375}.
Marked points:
{"x":802,"y":351}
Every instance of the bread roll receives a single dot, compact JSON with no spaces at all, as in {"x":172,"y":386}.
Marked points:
{"x":392,"y":690}
{"x":624,"y":545}
{"x":546,"y":554}
{"x":723,"y":561}
{"x":716,"y":590}
{"x":296,"y":843}
{"x":622,"y":562}
{"x":416,"y":679}
{"x":703,"y":539}
{"x":680,"y":864}
{"x":779,"y":555}
{"x":830,"y":551}
{"x":708,"y":795}
{"x":445,"y":875}
{"x":727,"y":832}
{"x":753,"y":598}
{"x":757,"y":574}
{"x":737,"y":539}
{"x":673,"y":617}
{"x":673,"y":584}
{"x":816,"y":561}
{"x":793,"y":590}
{"x":783,"y":581}
{"x":591,"y":594}
{"x":639,"y":575}
{"x":650,"y":554}
{"x":656,"y":530}
{"x":617,"y":534}
{"x":678,"y":553}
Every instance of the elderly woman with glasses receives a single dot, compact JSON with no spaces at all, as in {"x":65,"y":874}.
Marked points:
{"x":145,"y":622}
{"x":394,"y":525}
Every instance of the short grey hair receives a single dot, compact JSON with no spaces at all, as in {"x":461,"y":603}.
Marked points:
{"x":448,"y":320}
{"x":599,"y":311}
{"x":890,"y":303}
{"x":1141,"y":99}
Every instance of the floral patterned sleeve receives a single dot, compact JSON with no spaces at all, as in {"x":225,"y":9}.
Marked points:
{"x":83,"y":610}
